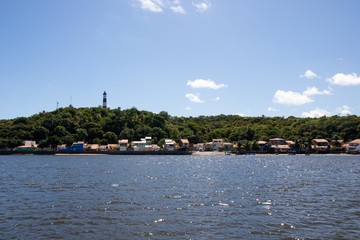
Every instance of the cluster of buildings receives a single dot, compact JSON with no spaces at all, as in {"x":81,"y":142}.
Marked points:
{"x":280,"y":145}
{"x":215,"y":145}
{"x":275,"y":145}
{"x":145,"y":144}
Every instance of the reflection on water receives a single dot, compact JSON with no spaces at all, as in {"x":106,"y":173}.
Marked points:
{"x":184,"y":197}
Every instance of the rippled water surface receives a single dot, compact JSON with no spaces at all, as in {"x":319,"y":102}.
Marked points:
{"x":180,"y":197}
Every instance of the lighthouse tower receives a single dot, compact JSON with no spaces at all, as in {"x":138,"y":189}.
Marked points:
{"x":104,"y":100}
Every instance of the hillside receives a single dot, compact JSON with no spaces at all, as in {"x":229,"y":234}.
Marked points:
{"x":100,"y":125}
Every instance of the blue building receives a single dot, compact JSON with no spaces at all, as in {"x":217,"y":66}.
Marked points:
{"x":76,"y":147}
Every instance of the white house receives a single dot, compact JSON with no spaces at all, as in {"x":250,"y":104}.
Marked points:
{"x":353,"y":146}
{"x":143,"y":145}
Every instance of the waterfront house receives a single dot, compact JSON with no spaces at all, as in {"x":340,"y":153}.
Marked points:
{"x":277,"y":141}
{"x":75,"y":147}
{"x":353,"y":146}
{"x":169,"y":145}
{"x":155,"y":147}
{"x":320,"y":145}
{"x":218,"y":144}
{"x":143,"y":145}
{"x":103,"y":148}
{"x":209,"y":146}
{"x":228,"y":146}
{"x":199,"y":147}
{"x":29,"y":146}
{"x":113,"y":147}
{"x":263,"y":145}
{"x":124,"y":143}
{"x":92,"y":147}
{"x":138,"y":145}
{"x":61,"y":147}
{"x":184,"y":143}
{"x":279,"y":145}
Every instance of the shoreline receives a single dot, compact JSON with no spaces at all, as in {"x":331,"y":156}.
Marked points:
{"x":128,"y":153}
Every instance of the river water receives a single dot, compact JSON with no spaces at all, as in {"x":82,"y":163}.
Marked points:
{"x":180,"y":197}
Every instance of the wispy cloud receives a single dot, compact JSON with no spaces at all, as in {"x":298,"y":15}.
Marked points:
{"x":345,"y":79}
{"x":202,"y":6}
{"x":310,"y":91}
{"x":217,"y":99}
{"x":309,"y":75}
{"x":270,"y":109}
{"x":316,"y":113}
{"x":152,"y":5}
{"x":178,"y":9}
{"x":158,"y":6}
{"x":188,"y":108}
{"x":201,"y":83}
{"x":344,"y":110}
{"x":194,"y":98}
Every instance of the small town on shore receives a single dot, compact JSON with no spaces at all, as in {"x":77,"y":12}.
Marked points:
{"x":145,"y":146}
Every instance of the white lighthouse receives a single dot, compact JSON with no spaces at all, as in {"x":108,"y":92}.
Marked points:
{"x":104,"y":100}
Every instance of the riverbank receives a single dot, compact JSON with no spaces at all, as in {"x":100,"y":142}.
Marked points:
{"x":204,"y":153}
{"x":95,"y":153}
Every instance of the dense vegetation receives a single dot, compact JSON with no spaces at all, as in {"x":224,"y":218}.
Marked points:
{"x":99,"y":125}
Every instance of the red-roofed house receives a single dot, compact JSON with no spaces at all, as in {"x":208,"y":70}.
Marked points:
{"x":320,"y":145}
{"x":184,"y":143}
{"x":279,"y":145}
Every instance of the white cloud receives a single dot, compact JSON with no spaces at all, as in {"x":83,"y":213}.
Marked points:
{"x":217,"y":99}
{"x":240,"y":114}
{"x":316,"y":113}
{"x":194,"y":98}
{"x":152,"y":5}
{"x":158,"y":6}
{"x":188,"y":108}
{"x":291,"y":98}
{"x":270,"y":109}
{"x":202,"y":6}
{"x":309,"y":75}
{"x":201,"y":83}
{"x":310,"y":91}
{"x":344,"y":110}
{"x":178,"y":9}
{"x":297,"y":99}
{"x":345,"y":79}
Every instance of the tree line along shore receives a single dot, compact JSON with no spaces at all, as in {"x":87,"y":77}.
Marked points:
{"x":104,"y":126}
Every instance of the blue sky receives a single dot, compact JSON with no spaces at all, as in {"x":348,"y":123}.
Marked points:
{"x":187,"y":57}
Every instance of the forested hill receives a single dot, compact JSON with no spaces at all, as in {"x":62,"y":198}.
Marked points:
{"x":99,"y":125}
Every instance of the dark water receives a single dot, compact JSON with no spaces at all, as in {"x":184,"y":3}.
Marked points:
{"x":180,"y":197}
